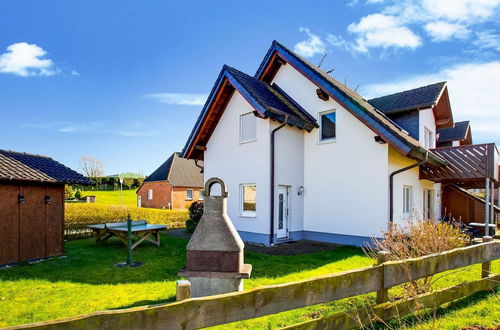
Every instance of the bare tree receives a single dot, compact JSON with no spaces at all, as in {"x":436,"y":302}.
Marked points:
{"x":91,"y":167}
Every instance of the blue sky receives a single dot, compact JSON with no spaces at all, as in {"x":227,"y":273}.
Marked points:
{"x":124,"y":81}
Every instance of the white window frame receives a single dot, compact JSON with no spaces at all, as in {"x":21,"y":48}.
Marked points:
{"x":243,"y":213}
{"x":200,"y":195}
{"x":187,"y":194}
{"x":407,"y":209}
{"x":330,"y":140}
{"x":428,"y":138}
{"x":150,"y":194}
{"x":241,"y":128}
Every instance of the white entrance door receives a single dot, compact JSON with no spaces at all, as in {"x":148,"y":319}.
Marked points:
{"x":282,"y":213}
{"x":139,"y":201}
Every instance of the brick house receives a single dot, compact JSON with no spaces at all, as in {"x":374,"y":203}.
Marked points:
{"x":174,"y":185}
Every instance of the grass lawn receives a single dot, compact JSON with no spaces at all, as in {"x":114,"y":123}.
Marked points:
{"x":86,"y":280}
{"x":129,"y":197}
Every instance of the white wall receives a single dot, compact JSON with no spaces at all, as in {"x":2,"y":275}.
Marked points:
{"x":426,"y":119}
{"x":345,"y":182}
{"x":237,"y":163}
{"x":410,"y":178}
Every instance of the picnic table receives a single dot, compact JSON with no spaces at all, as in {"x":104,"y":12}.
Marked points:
{"x":140,"y":229}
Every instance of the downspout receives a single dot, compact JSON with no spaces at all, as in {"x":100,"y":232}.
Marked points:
{"x":273,"y":132}
{"x":391,"y":185}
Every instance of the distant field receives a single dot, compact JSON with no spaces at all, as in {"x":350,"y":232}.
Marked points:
{"x":113,"y":197}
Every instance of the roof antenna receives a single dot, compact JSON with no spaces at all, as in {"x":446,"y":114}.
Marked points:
{"x":345,"y":80}
{"x":330,"y":71}
{"x":356,"y":89}
{"x":322,"y":59}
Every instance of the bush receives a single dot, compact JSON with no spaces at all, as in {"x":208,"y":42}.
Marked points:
{"x":195,"y":214}
{"x":78,"y":194}
{"x":417,"y":239}
{"x":79,"y":216}
{"x":68,"y":192}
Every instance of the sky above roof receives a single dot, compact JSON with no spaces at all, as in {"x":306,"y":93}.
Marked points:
{"x":125,"y":81}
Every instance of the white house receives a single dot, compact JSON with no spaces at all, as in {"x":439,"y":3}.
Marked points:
{"x":305,"y":157}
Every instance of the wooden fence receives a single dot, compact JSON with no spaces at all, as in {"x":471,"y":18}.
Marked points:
{"x":202,"y":312}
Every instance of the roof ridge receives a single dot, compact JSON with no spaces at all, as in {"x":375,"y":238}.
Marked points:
{"x":408,"y":90}
{"x":24,"y":153}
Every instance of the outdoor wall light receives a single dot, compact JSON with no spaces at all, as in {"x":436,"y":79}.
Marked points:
{"x":301,"y":190}
{"x":48,"y":200}
{"x":20,"y":198}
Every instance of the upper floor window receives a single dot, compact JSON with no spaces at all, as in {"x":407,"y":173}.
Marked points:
{"x":150,"y":194}
{"x":327,"y":126}
{"x":428,"y":138}
{"x":248,"y":127}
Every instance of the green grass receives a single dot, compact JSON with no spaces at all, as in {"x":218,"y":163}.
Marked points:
{"x":86,"y":281}
{"x":129,"y":197}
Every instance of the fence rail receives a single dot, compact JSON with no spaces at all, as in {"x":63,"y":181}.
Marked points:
{"x":225,"y":308}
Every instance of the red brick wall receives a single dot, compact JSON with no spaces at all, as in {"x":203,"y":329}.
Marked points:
{"x":161,"y":194}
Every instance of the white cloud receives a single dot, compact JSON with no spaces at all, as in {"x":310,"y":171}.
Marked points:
{"x":473,"y":90}
{"x":488,"y":40}
{"x":75,"y":73}
{"x":461,"y":10}
{"x":25,"y":60}
{"x":310,"y":47}
{"x":378,"y":30}
{"x":179,"y":98}
{"x":442,"y":31}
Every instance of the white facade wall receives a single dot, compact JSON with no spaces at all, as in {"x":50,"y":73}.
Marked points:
{"x":237,"y":163}
{"x":426,"y":120}
{"x":345,"y":182}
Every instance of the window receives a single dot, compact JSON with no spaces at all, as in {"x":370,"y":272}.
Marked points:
{"x":248,"y":200}
{"x":150,"y":194}
{"x":327,"y":126}
{"x":248,"y":128}
{"x":428,"y":204}
{"x":189,"y":194}
{"x":407,"y":200}
{"x":428,"y":138}
{"x":200,"y":195}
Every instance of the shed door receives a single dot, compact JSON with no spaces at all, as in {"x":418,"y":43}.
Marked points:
{"x":9,"y":224}
{"x":32,"y":223}
{"x":55,"y":221}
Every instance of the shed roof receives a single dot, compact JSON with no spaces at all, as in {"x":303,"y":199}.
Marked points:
{"x":455,"y":133}
{"x":22,"y":166}
{"x":417,"y":98}
{"x":179,"y":172}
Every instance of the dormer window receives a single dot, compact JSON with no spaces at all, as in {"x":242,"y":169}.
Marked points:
{"x":428,"y":138}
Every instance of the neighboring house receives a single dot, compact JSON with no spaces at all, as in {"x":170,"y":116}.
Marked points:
{"x":32,"y":206}
{"x":305,"y":157}
{"x":174,"y":185}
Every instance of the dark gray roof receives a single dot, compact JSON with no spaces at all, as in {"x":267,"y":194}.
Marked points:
{"x":455,"y":133}
{"x":179,"y":172}
{"x":29,"y":167}
{"x":273,"y":98}
{"x":421,"y":97}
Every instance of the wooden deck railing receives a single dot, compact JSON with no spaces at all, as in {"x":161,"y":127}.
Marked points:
{"x":202,"y":312}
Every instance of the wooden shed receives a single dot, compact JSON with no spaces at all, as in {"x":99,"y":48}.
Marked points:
{"x":32,"y":206}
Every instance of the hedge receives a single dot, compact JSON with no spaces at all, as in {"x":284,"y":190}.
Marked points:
{"x":79,"y":215}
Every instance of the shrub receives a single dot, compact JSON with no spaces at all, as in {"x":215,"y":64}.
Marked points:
{"x":79,"y":216}
{"x":78,"y":194}
{"x":68,"y":192}
{"x":417,"y":239}
{"x":195,"y":214}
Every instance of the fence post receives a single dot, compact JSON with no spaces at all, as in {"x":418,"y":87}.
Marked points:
{"x":183,"y":290}
{"x":383,"y":293}
{"x":486,"y":266}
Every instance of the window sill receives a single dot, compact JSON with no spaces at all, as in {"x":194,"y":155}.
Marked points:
{"x":189,"y":199}
{"x":248,"y":215}
{"x":249,"y":141}
{"x":327,"y":141}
